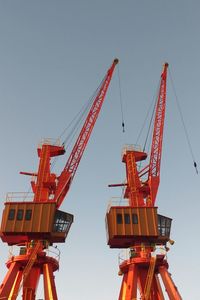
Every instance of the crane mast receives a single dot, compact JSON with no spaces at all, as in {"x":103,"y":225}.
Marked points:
{"x":37,"y":224}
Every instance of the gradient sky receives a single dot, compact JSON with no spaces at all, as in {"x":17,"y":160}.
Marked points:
{"x":53,"y":54}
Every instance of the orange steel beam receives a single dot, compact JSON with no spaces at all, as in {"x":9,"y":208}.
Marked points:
{"x":123,"y":287}
{"x":129,"y":284}
{"x":132,"y":191}
{"x":46,"y":181}
{"x":158,"y":288}
{"x":149,"y":278}
{"x":42,"y":191}
{"x":49,"y":283}
{"x":170,"y":286}
{"x":30,"y":284}
{"x":15,"y":288}
{"x":9,"y":281}
{"x":156,"y":147}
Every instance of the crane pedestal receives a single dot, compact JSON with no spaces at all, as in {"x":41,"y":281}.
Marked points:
{"x":141,"y":275}
{"x":24,"y":272}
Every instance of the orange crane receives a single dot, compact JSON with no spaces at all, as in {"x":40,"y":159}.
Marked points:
{"x":136,"y":225}
{"x":35,"y":225}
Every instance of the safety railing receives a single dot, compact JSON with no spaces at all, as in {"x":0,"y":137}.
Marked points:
{"x":131,"y":147}
{"x":49,"y":141}
{"x":117,"y":201}
{"x":19,"y":197}
{"x":126,"y":254}
{"x":51,"y":251}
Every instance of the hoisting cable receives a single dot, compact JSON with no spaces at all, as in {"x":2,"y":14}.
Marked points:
{"x":150,"y":129}
{"x":153,"y":103}
{"x":120,"y":99}
{"x":150,"y":126}
{"x":183,"y":123}
{"x":72,"y":121}
{"x":78,"y":121}
{"x":74,"y":129}
{"x":80,"y":114}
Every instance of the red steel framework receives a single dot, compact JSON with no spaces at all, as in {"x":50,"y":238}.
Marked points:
{"x":136,"y":226}
{"x":29,"y":225}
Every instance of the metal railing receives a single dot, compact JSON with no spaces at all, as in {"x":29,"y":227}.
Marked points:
{"x":131,"y":147}
{"x":51,"y":251}
{"x":19,"y":197}
{"x":49,"y":141}
{"x":117,"y":201}
{"x":126,"y":254}
{"x":54,"y":252}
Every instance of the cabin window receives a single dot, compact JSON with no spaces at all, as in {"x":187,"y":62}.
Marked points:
{"x":20,"y":214}
{"x":134,"y":218}
{"x":11,"y":214}
{"x":62,"y":221}
{"x":28,"y":214}
{"x":164,"y":225}
{"x":127,"y":219}
{"x":119,"y":218}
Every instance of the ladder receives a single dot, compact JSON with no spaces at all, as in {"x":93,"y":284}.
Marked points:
{"x":31,"y":260}
{"x":149,"y":278}
{"x":30,"y":263}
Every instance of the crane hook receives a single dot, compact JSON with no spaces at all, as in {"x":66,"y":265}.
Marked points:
{"x":195,"y":165}
{"x":123,"y":127}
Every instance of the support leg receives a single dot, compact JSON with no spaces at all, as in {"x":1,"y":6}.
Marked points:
{"x":142,"y":276}
{"x":130,"y":284}
{"x":157,"y":294}
{"x":171,"y":289}
{"x":123,"y":287}
{"x":8,"y":282}
{"x":30,"y":284}
{"x":49,"y":283}
{"x":15,"y":288}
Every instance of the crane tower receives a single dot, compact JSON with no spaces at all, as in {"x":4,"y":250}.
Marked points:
{"x":135,"y":224}
{"x":37,"y":223}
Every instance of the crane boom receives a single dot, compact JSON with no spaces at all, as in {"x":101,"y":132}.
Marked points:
{"x":73,"y":161}
{"x":156,"y":148}
{"x":85,"y":133}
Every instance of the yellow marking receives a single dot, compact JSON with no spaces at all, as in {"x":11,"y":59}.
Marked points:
{"x":149,"y":278}
{"x":145,"y":214}
{"x":124,"y":291}
{"x":154,"y":221}
{"x":48,"y":283}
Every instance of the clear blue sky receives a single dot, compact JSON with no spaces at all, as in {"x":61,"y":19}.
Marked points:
{"x":53,"y":54}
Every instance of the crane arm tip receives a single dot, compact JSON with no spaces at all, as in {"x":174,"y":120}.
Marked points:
{"x":116,"y":61}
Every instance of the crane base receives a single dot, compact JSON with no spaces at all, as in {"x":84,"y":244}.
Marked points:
{"x":141,"y":278}
{"x":24,"y":272}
